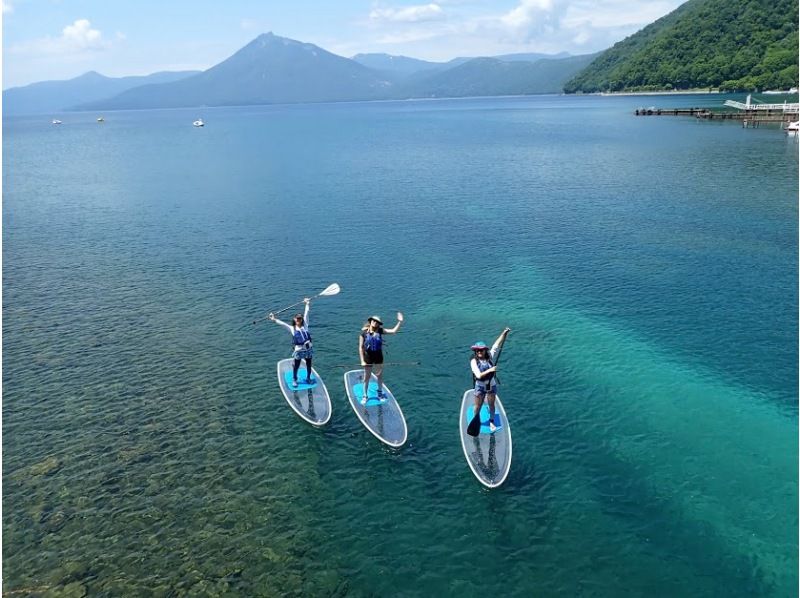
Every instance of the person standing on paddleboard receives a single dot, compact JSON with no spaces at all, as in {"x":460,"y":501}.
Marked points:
{"x":370,"y":349}
{"x":484,"y":373}
{"x":301,"y":338}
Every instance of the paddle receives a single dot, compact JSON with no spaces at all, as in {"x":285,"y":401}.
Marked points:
{"x":332,"y":289}
{"x":474,"y":427}
{"x":392,"y":363}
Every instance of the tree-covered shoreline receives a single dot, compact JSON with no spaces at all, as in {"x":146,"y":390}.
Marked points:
{"x":729,"y":45}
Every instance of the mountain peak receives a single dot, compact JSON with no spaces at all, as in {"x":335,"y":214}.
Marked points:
{"x":270,"y":38}
{"x":89,"y":75}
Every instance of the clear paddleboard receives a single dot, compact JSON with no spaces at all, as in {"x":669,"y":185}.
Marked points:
{"x":382,"y":417}
{"x":489,"y":453}
{"x":309,"y":400}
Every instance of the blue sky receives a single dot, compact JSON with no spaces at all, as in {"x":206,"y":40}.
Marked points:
{"x":61,"y":39}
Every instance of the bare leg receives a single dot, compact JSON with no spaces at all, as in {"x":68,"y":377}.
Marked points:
{"x":490,"y":397}
{"x":478,"y":404}
{"x":367,"y":376}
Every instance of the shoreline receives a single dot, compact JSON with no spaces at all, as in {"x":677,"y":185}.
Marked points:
{"x":660,"y":93}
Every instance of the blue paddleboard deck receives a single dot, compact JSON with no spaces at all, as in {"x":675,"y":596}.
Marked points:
{"x":372,"y":394}
{"x":485,"y":429}
{"x":302,"y":379}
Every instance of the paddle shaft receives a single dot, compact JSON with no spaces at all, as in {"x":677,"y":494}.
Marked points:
{"x":392,"y":363}
{"x":280,"y":311}
{"x":330,"y":290}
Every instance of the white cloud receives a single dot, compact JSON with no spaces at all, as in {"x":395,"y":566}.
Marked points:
{"x":582,"y":22}
{"x":80,"y":35}
{"x":77,"y":38}
{"x":618,"y":13}
{"x":7,"y":7}
{"x":410,"y":14}
{"x":534,"y":14}
{"x":575,"y":26}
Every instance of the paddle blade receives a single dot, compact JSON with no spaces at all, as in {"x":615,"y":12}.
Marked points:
{"x":474,"y":427}
{"x":331,"y":290}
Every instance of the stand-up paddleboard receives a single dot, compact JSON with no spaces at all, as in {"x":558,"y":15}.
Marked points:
{"x":309,"y":401}
{"x":488,"y":453}
{"x":382,"y":417}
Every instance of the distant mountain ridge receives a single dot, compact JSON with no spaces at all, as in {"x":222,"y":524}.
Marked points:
{"x":729,"y":44}
{"x":273,"y":69}
{"x":57,"y":96}
{"x":276,"y":70}
{"x":492,"y":76}
{"x":395,"y":65}
{"x":402,"y":65}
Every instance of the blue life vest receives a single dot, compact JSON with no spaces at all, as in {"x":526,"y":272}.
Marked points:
{"x":301,"y":336}
{"x":483,"y":365}
{"x":373,"y":342}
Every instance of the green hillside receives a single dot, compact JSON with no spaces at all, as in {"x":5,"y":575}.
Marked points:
{"x":726,"y":44}
{"x":491,"y":76}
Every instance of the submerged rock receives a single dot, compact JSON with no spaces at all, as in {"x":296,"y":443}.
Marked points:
{"x":52,"y":521}
{"x":47,"y":467}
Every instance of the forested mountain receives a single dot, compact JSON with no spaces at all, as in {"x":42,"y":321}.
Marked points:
{"x":492,"y":76}
{"x":55,"y":96}
{"x":726,"y":44}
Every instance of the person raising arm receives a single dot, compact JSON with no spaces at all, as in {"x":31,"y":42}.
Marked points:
{"x":301,"y":338}
{"x":484,"y":373}
{"x":370,"y":351}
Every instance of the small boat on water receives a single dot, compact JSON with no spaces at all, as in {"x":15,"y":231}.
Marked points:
{"x":792,"y":128}
{"x":100,"y":119}
{"x":199,"y":123}
{"x":56,"y":121}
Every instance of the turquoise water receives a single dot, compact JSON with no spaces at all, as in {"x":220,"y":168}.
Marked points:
{"x":648,"y":269}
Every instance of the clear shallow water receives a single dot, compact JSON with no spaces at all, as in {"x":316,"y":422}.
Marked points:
{"x":648,"y":268}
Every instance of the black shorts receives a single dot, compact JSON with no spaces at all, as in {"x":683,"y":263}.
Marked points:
{"x":373,"y":357}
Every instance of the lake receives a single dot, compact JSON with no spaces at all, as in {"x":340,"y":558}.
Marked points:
{"x":648,"y":268}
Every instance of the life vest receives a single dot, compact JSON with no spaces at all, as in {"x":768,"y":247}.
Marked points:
{"x":302,"y":337}
{"x":483,"y":365}
{"x":373,"y":341}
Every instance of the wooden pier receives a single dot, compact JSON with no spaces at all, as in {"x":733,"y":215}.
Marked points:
{"x":751,"y":115}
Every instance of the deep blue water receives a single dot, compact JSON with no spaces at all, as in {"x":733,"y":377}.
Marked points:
{"x":647,"y":266}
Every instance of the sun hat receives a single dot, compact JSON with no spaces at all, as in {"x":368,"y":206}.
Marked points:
{"x":376,"y":319}
{"x":479,"y":345}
